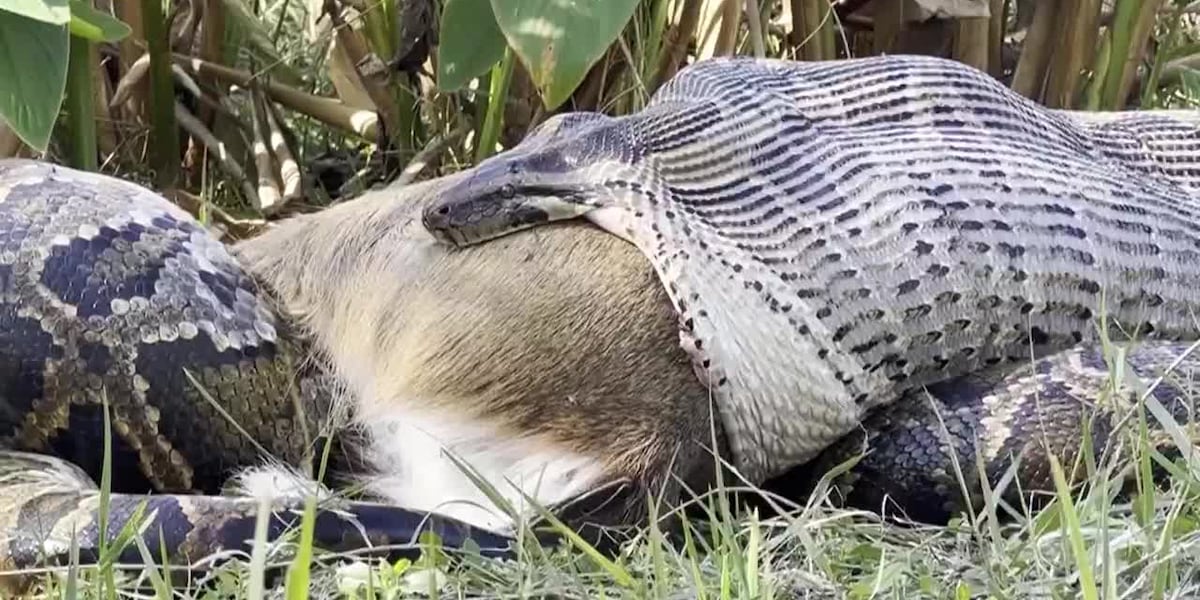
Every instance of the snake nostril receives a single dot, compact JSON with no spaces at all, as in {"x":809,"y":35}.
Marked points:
{"x":443,"y":210}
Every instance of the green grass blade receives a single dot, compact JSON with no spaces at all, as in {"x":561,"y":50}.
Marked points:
{"x":1074,"y":533}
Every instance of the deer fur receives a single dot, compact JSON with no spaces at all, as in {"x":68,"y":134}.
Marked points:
{"x":549,"y":359}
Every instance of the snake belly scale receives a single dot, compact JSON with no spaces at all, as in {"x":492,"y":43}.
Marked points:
{"x":836,"y":235}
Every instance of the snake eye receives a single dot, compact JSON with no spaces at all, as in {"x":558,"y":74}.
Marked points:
{"x":507,"y":191}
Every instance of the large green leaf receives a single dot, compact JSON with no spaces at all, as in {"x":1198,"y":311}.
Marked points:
{"x":559,"y":40}
{"x":54,"y":12}
{"x":33,"y":75}
{"x":470,"y":42}
{"x":96,"y":26}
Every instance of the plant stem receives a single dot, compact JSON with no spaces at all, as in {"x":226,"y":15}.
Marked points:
{"x":1029,"y":77}
{"x":1123,"y":51}
{"x":754,"y":23}
{"x":81,"y":112}
{"x":164,"y":137}
{"x":675,"y":44}
{"x":1170,"y":40}
{"x":654,"y":39}
{"x":377,"y":25}
{"x":497,"y":93}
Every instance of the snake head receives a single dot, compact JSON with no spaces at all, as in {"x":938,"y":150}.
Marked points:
{"x":482,"y":208}
{"x":539,"y":181}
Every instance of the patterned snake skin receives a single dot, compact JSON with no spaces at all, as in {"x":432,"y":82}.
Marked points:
{"x":838,"y":235}
{"x":110,"y":293}
{"x":108,"y":290}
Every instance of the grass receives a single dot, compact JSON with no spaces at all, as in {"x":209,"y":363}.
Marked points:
{"x":1090,"y":543}
{"x":1087,"y":543}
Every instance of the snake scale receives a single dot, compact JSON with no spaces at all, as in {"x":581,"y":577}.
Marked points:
{"x":109,"y":292}
{"x":839,"y":235}
{"x":111,"y":296}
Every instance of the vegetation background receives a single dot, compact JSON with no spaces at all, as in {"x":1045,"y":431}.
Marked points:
{"x":245,"y":111}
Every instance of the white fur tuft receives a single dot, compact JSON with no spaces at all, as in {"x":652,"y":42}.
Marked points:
{"x":276,"y":482}
{"x":411,"y":453}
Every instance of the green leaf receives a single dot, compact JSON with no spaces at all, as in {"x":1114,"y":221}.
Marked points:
{"x":54,"y":12}
{"x":96,"y":26}
{"x":1187,"y":52}
{"x":471,"y":42}
{"x":962,"y":591}
{"x":559,"y":40}
{"x":33,"y":76}
{"x":1189,"y":80}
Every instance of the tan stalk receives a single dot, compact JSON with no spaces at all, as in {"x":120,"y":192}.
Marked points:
{"x":708,"y":30}
{"x":889,"y":22}
{"x":212,"y":30}
{"x":268,"y":197}
{"x":523,"y":109}
{"x":134,"y":78}
{"x":278,"y":123}
{"x":289,"y":169}
{"x":212,"y":38}
{"x":216,"y":150}
{"x":676,"y":44}
{"x":429,"y":154}
{"x":327,"y":110}
{"x":731,"y":20}
{"x":996,"y":27}
{"x":164,"y":147}
{"x":755,"y":25}
{"x":810,"y":22}
{"x":186,"y":38}
{"x":823,"y":17}
{"x":340,"y":68}
{"x":1030,"y":75}
{"x":971,"y":41}
{"x":106,"y":132}
{"x":131,"y":48}
{"x":1143,"y":31}
{"x":183,"y":35}
{"x":1075,"y":46}
{"x":370,"y":69}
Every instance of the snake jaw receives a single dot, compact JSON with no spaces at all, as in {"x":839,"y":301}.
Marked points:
{"x":478,"y":220}
{"x":470,"y":235}
{"x":469,"y":218}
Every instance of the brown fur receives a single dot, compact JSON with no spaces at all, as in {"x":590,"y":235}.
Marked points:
{"x":562,"y":332}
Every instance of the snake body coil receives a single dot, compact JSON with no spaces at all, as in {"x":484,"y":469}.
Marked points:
{"x":116,"y":303}
{"x":837,"y":235}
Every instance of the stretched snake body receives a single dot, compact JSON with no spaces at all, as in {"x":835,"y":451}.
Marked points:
{"x":838,"y":235}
